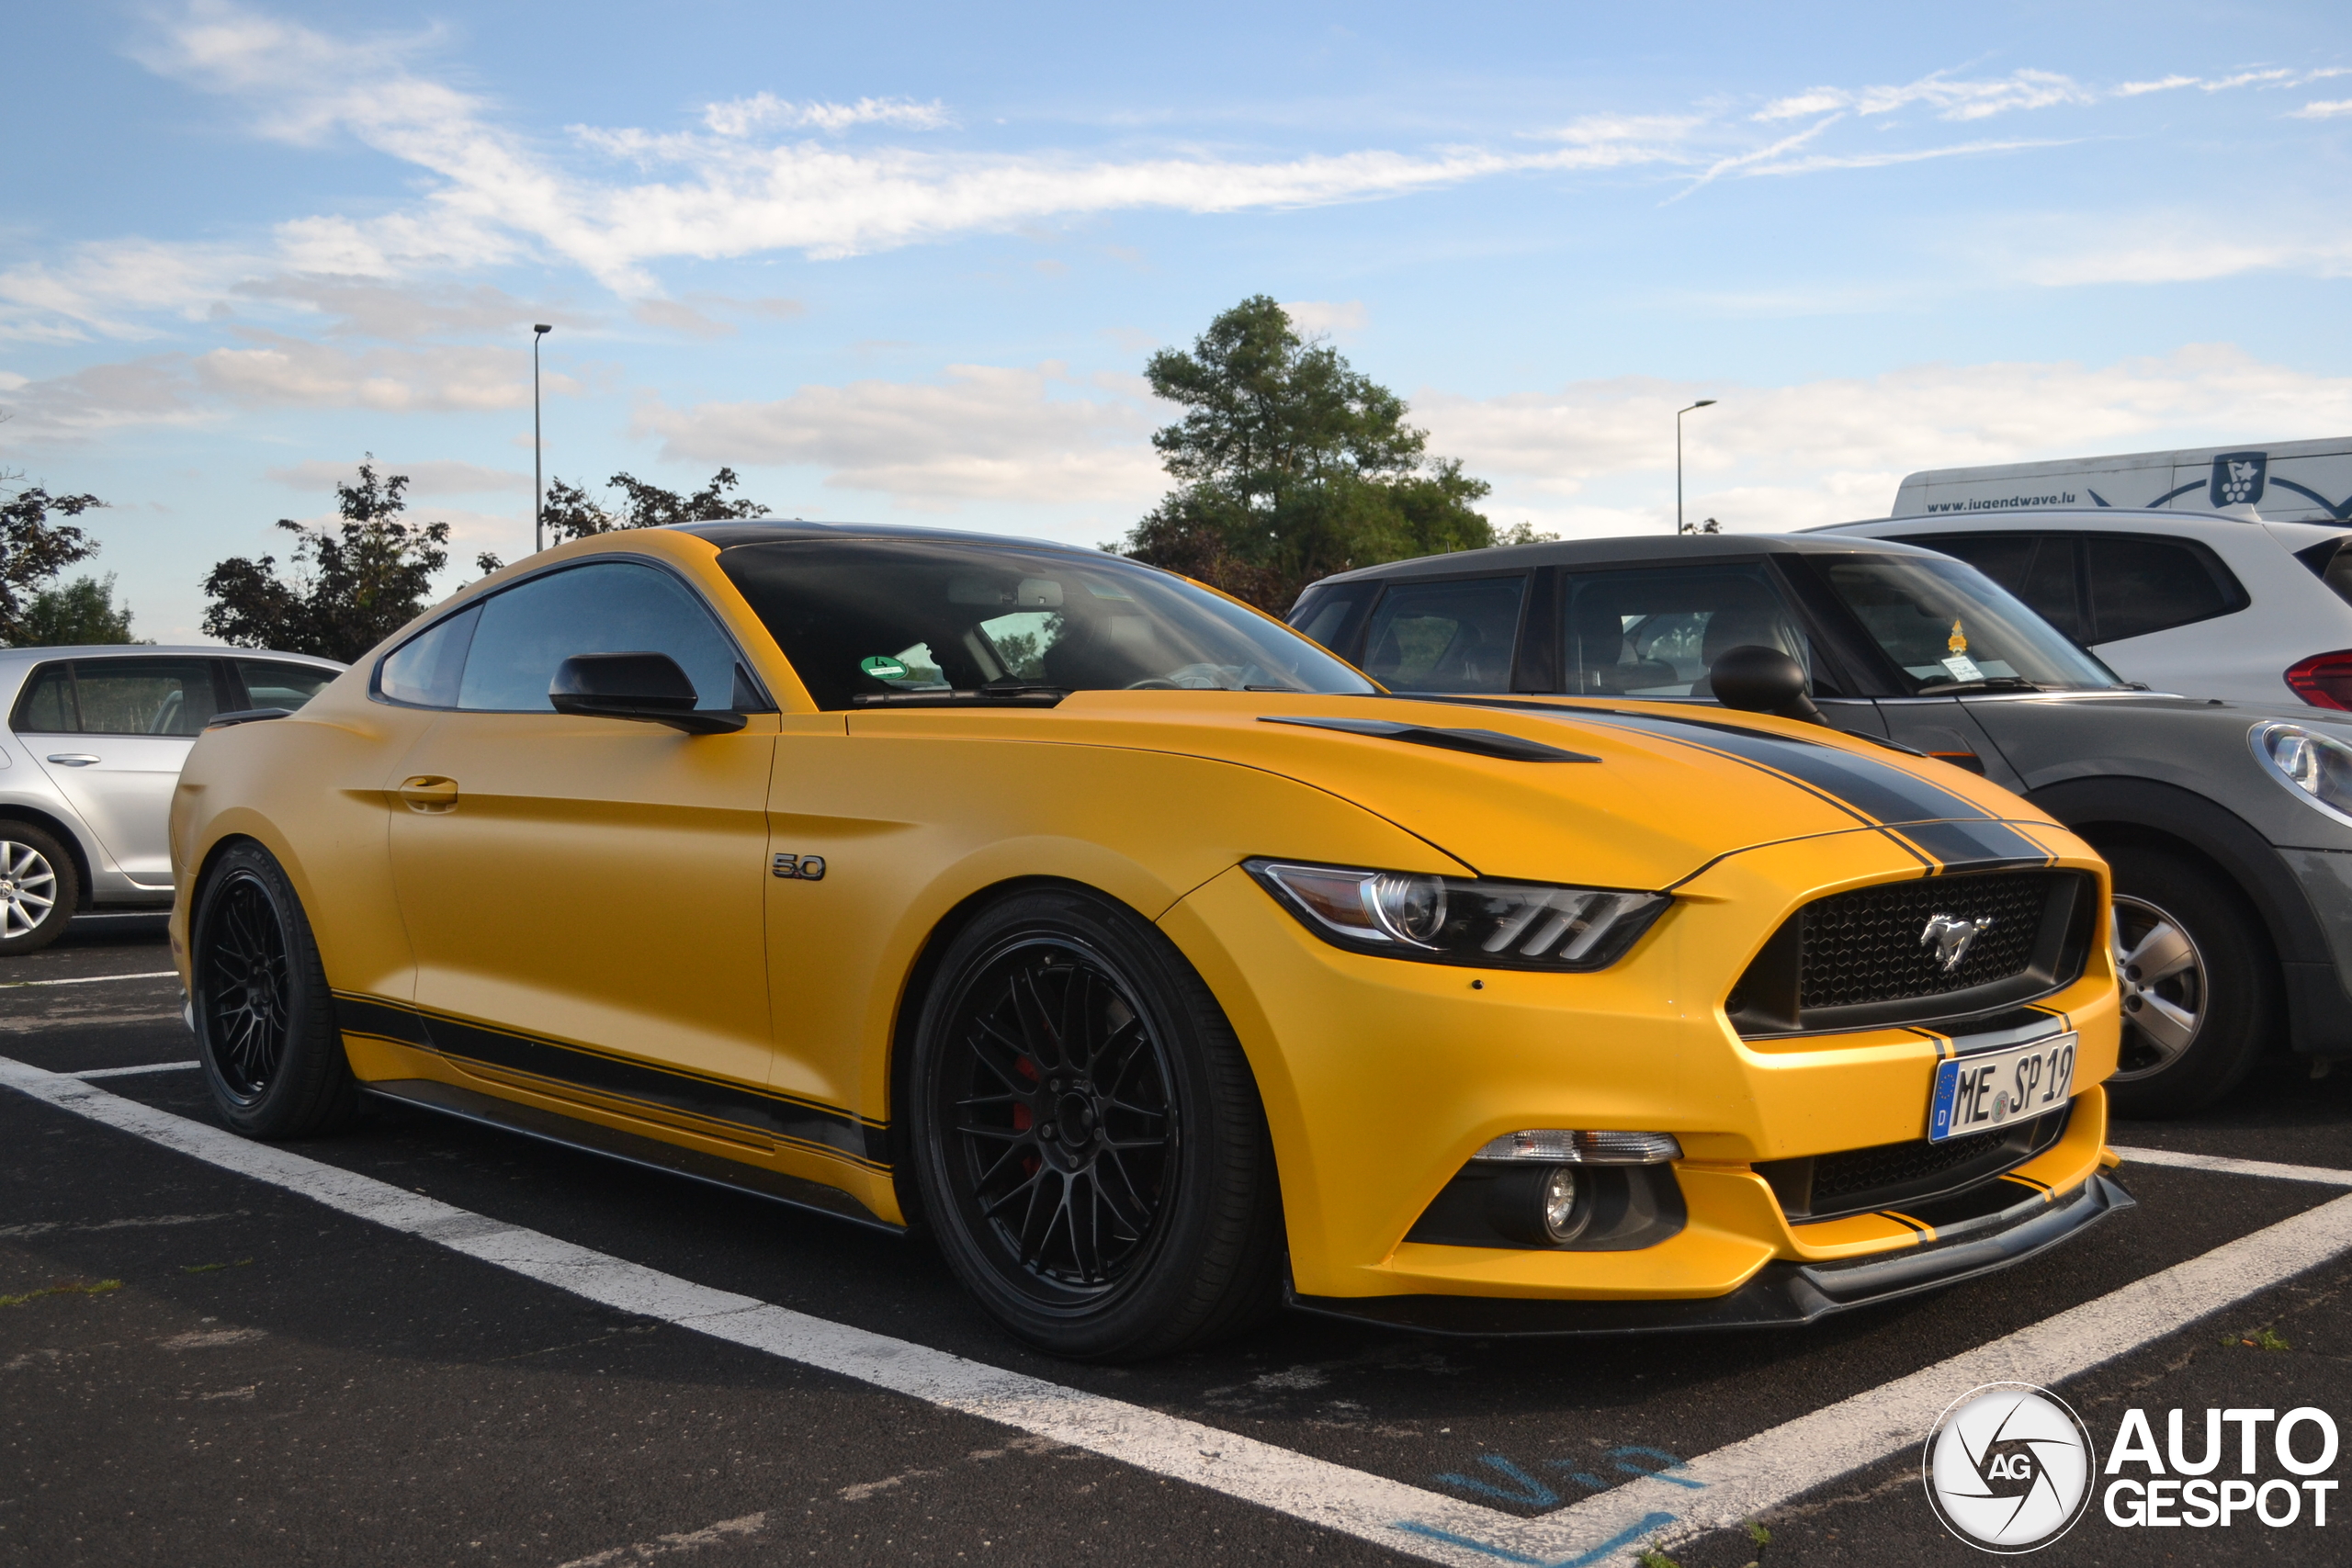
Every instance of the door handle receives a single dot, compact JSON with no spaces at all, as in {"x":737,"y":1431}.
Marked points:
{"x":429,"y":794}
{"x":75,"y":759}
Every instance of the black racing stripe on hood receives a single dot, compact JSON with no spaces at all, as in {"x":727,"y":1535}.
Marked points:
{"x":1878,"y":792}
{"x":1975,"y":846}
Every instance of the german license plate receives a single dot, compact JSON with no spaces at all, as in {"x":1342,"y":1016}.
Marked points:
{"x":1975,"y":1094}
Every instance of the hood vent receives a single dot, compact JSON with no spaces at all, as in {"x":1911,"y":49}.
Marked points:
{"x":1477,"y":742}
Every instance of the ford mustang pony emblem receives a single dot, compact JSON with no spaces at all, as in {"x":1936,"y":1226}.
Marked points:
{"x":1951,"y":936}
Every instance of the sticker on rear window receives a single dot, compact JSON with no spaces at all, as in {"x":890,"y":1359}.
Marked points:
{"x":883,"y":668}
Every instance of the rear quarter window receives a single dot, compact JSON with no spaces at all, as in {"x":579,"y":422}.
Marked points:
{"x":2142,"y":585}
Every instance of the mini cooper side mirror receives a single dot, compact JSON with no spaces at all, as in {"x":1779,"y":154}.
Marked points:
{"x":647,"y":686}
{"x":1762,"y":680}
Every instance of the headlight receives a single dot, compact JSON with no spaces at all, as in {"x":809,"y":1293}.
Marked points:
{"x":1456,"y":920}
{"x":2316,"y":763}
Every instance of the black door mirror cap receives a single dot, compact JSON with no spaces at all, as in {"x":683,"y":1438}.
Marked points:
{"x":1755,"y":679}
{"x":648,"y":687}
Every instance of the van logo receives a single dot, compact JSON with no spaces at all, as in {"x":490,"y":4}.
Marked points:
{"x":2238,"y":478}
{"x":1952,"y":936}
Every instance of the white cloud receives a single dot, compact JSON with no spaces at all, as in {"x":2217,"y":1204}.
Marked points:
{"x":1326,"y":315}
{"x":97,"y":399}
{"x":1602,"y":452}
{"x":432,"y":476}
{"x":1815,"y":163}
{"x":985,"y":433}
{"x":285,"y":371}
{"x":2027,"y":89}
{"x":2323,"y":109}
{"x":2181,"y":248}
{"x":741,"y":116}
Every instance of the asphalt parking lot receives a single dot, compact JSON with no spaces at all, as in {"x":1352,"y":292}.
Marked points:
{"x":428,"y":1343}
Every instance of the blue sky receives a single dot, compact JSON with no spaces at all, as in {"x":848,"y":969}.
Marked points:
{"x":905,"y":262}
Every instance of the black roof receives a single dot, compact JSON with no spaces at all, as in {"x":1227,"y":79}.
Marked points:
{"x":777,"y":530}
{"x":1630,"y":550}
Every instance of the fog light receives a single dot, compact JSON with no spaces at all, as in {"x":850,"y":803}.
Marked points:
{"x":1561,"y":1220}
{"x":1538,"y":1205}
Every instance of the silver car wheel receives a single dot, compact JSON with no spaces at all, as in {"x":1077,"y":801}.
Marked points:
{"x":2162,"y":975}
{"x":27,"y":888}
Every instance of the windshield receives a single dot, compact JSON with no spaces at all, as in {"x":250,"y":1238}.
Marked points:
{"x":868,"y":621}
{"x":1948,"y":628}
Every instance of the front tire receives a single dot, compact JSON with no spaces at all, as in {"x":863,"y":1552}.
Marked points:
{"x":2200,"y":986}
{"x":264,"y":1019}
{"x":1089,"y":1145}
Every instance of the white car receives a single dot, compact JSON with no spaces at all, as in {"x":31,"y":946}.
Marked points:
{"x":2197,"y":602}
{"x":93,"y":750}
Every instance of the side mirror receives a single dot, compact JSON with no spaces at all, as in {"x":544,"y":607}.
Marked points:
{"x":647,"y":686}
{"x":1755,"y":679}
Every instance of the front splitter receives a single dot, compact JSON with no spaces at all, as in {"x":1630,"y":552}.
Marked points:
{"x":1781,"y":1295}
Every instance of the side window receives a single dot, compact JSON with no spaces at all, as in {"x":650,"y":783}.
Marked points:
{"x":1328,"y":615}
{"x":1657,"y":633}
{"x":603,"y":607}
{"x":1445,"y":636}
{"x":271,"y":685}
{"x":2143,"y":585}
{"x":2004,"y":558}
{"x":47,"y":707}
{"x":2052,"y":589}
{"x":122,"y":696}
{"x":424,"y":671}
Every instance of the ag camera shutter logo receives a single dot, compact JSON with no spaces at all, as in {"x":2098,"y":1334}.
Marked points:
{"x":2008,"y":1468}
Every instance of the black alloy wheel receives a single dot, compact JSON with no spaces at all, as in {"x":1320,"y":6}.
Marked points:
{"x":40,"y":886}
{"x":1088,"y":1144}
{"x":244,"y":985}
{"x":1065,"y":1131}
{"x":264,"y":1019}
{"x":2200,"y":981}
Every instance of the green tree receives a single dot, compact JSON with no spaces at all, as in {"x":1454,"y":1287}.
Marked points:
{"x":33,"y":548}
{"x":571,"y":513}
{"x":350,"y":586}
{"x":1293,"y":464}
{"x":80,"y":613}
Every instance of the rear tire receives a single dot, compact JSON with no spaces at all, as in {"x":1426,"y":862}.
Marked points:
{"x":1089,"y":1145}
{"x":264,"y":1019}
{"x":2200,"y":981}
{"x":39,"y":888}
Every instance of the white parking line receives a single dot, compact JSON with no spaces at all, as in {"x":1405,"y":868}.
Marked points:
{"x":2224,"y":1166}
{"x":1716,"y":1490}
{"x":126,"y":1072}
{"x":92,"y":980}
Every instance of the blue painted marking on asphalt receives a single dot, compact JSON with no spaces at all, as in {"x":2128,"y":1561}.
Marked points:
{"x":1649,"y":1525}
{"x":1618,"y":1456}
{"x":1583,"y":1478}
{"x":1531,"y":1492}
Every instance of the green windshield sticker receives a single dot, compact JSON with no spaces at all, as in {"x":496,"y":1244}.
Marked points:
{"x":883,"y":668}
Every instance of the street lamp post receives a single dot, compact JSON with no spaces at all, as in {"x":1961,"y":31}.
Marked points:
{"x":538,"y":485}
{"x":1701,"y":403}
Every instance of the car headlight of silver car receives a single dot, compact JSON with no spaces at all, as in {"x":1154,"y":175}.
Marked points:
{"x":1460,"y":919}
{"x":2318,"y":764}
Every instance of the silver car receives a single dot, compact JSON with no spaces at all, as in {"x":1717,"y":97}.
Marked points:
{"x":95,"y":744}
{"x":2196,"y":603}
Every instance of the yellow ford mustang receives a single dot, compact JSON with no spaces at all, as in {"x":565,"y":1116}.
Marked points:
{"x":1150,"y":958}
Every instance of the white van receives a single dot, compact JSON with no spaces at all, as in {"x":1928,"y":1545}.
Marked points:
{"x":2288,"y":481}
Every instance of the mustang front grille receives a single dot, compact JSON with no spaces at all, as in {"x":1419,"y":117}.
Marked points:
{"x":1919,"y":952}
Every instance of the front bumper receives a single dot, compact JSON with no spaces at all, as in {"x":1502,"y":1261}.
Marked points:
{"x":1780,"y":1295}
{"x":1382,"y":1078}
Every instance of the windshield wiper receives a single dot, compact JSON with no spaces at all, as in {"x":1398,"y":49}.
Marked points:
{"x":1984,"y":684}
{"x":996,"y":694}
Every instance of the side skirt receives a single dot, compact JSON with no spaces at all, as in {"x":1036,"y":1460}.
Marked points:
{"x":650,"y":1153}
